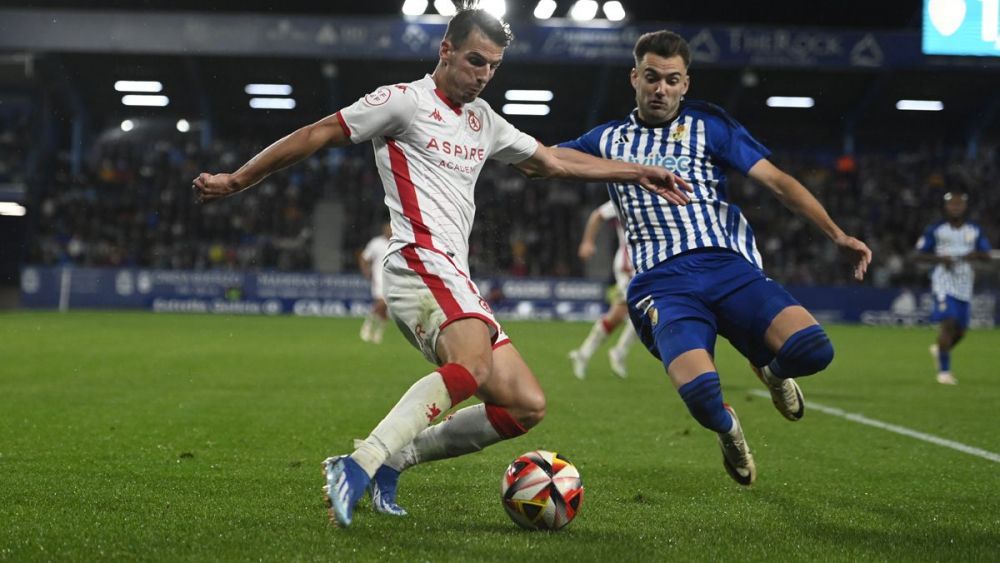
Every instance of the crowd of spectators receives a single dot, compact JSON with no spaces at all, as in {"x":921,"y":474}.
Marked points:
{"x":133,"y":206}
{"x":885,"y":199}
{"x":14,"y":135}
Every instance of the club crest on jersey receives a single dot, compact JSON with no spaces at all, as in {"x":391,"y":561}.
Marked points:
{"x":378,"y":97}
{"x":485,"y":305}
{"x":679,"y":133}
{"x":474,"y":122}
{"x":648,"y":308}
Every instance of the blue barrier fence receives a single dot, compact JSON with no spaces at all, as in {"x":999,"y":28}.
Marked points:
{"x":339,"y":295}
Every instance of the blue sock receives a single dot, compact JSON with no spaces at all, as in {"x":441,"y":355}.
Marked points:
{"x":703,"y":397}
{"x":944,"y":361}
{"x":804,"y":353}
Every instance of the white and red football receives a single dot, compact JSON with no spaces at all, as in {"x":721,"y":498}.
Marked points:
{"x":542,"y":490}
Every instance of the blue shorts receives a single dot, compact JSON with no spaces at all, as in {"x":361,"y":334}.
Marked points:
{"x":684,"y":302}
{"x":948,"y":307}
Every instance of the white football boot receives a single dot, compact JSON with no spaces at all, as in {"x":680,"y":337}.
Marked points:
{"x":617,"y":361}
{"x":785,"y":393}
{"x":579,"y":363}
{"x":736,"y":456}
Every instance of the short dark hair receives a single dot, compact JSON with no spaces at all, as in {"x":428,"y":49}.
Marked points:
{"x":664,"y":43}
{"x":467,"y":19}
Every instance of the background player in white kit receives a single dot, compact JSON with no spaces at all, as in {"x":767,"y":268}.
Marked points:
{"x":370,"y":262}
{"x":431,"y":138}
{"x":618,"y":313}
{"x":952,"y":244}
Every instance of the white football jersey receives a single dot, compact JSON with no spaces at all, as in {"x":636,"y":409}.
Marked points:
{"x":608,"y":213}
{"x":374,"y":253}
{"x":429,"y":152}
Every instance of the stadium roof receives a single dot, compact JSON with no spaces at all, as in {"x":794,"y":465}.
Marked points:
{"x":882,"y":14}
{"x":857,"y":99}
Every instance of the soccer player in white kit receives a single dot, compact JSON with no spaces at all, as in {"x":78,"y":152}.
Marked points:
{"x":952,"y":245}
{"x":431,"y":139}
{"x":618,"y":312}
{"x":370,"y":261}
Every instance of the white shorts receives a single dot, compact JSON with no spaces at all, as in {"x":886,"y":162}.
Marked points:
{"x":623,"y":274}
{"x":426,"y":291}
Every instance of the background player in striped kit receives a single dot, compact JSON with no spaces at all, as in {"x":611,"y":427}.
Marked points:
{"x":370,"y":262}
{"x":431,"y":137}
{"x":952,"y":245}
{"x":698,"y":271}
{"x":604,"y":326}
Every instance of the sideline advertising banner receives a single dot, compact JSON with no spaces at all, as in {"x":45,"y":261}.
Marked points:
{"x":340,"y":295}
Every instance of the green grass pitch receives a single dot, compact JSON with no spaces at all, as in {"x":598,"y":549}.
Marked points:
{"x":128,"y":436}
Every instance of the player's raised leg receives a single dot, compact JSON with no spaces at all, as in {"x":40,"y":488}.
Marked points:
{"x":685,"y":346}
{"x":464,"y":346}
{"x":513,"y":403}
{"x":801,"y":347}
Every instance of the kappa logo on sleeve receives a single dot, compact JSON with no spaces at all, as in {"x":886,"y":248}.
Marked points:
{"x":378,"y":97}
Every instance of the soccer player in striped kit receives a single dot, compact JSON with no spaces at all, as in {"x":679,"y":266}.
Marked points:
{"x":952,"y":245}
{"x":698,"y":271}
{"x":431,"y":138}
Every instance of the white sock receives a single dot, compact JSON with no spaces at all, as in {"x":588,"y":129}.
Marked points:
{"x":421,"y":404}
{"x":625,"y":341}
{"x":594,"y":339}
{"x":377,"y":329}
{"x":464,"y":432}
{"x":366,"y":329}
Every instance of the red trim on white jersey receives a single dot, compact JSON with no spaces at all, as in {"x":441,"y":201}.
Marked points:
{"x":343,"y":125}
{"x":408,"y":194}
{"x":457,"y":108}
{"x":452,"y":309}
{"x":437,"y":286}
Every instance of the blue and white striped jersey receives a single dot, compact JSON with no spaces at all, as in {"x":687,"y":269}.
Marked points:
{"x":942,"y":239}
{"x":696,"y":145}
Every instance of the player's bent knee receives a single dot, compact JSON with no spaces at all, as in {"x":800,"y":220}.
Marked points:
{"x":806,"y":352}
{"x":527,"y":409}
{"x":480,"y":366}
{"x":532,"y":411}
{"x":504,"y":422}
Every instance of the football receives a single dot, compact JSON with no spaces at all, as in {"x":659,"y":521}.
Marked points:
{"x":542,"y":490}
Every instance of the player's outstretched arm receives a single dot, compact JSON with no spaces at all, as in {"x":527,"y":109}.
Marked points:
{"x":283,"y":153}
{"x":796,"y":197}
{"x":558,"y":162}
{"x":587,"y":242}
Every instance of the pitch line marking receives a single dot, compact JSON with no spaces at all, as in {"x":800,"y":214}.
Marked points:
{"x":862,"y":419}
